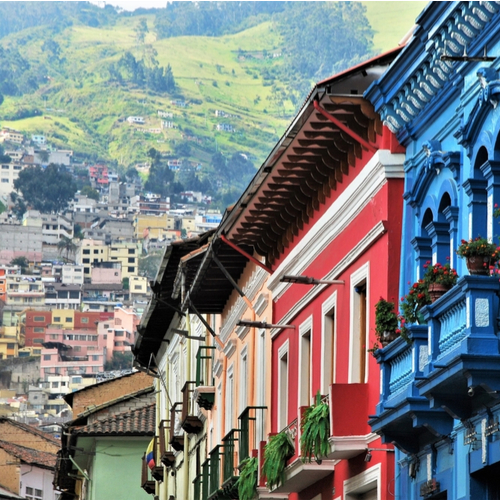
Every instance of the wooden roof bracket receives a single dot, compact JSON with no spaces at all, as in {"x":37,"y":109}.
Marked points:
{"x":245,"y":254}
{"x":348,"y":131}
{"x":204,"y":321}
{"x":230,"y":279}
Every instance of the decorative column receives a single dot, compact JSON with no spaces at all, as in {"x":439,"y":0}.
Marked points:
{"x":440,"y":235}
{"x":423,"y":250}
{"x":476,"y":190}
{"x":451,"y":214}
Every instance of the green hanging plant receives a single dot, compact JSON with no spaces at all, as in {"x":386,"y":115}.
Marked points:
{"x":315,"y":431}
{"x":247,"y":480}
{"x":278,"y":450}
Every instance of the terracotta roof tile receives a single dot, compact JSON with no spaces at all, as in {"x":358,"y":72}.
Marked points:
{"x":140,"y":421}
{"x":29,"y":455}
{"x":31,"y":429}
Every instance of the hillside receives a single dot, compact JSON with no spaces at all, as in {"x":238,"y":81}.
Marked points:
{"x":88,"y":91}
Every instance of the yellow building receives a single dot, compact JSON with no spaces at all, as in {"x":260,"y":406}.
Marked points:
{"x":93,"y":251}
{"x":154,"y":226}
{"x":138,"y":285}
{"x":9,"y":342}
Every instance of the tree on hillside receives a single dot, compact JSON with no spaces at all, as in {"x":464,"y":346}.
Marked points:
{"x":22,"y":262}
{"x":47,"y":190}
{"x":90,"y":192}
{"x":66,"y":245}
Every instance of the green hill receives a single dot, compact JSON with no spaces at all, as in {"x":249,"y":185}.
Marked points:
{"x":81,"y":103}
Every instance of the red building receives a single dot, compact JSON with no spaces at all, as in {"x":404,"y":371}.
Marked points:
{"x":35,"y":324}
{"x":327,"y":205}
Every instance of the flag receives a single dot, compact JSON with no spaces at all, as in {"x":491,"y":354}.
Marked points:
{"x":150,"y":457}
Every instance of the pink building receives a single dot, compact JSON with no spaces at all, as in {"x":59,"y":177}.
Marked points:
{"x":106,"y":272}
{"x":71,"y":352}
{"x":118,"y":334}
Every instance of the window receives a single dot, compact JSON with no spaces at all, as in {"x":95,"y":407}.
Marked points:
{"x":328,"y":343}
{"x":131,"y":251}
{"x":119,"y":333}
{"x":33,"y":494}
{"x":39,"y":319}
{"x":84,"y":320}
{"x":229,"y":399}
{"x":358,"y":327}
{"x":68,"y":319}
{"x":130,"y":269}
{"x":76,"y":380}
{"x":137,"y":287}
{"x":57,"y":319}
{"x":243,"y":377}
{"x":74,"y":294}
{"x":86,"y":251}
{"x":86,"y":261}
{"x":96,"y":252}
{"x":77,"y":348}
{"x":55,"y":385}
{"x":37,"y":341}
{"x":53,"y":336}
{"x":38,"y":329}
{"x":46,"y":357}
{"x":95,"y":369}
{"x":305,"y":351}
{"x":283,"y":386}
{"x":131,"y":260}
{"x":10,"y":345}
{"x":95,"y":357}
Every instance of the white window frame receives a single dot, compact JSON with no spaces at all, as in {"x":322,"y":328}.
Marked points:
{"x":304,"y":385}
{"x":218,"y":401}
{"x":243,"y":379}
{"x":328,"y":343}
{"x":261,"y":372}
{"x":283,"y":351}
{"x":363,"y":482}
{"x":229,"y":399}
{"x":362,"y":274}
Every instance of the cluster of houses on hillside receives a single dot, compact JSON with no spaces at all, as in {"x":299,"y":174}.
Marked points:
{"x":336,"y":336}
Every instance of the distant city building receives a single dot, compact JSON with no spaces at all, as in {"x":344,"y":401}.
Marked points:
{"x":135,"y":119}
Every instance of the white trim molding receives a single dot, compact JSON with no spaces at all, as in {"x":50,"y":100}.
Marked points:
{"x":328,"y":345}
{"x":371,"y":237}
{"x":364,"y":482}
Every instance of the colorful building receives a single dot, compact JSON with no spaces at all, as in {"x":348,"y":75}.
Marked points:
{"x":439,"y":392}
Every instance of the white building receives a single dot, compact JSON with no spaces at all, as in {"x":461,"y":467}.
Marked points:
{"x":136,"y":119}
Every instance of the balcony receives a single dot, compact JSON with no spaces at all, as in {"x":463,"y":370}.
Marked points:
{"x":167,"y":456}
{"x":176,"y":434}
{"x":403,"y":416}
{"x":251,"y":431}
{"x":462,"y":373}
{"x":157,"y":471}
{"x":148,"y":485}
{"x":451,"y":370}
{"x":190,"y":422}
{"x":230,"y":461}
{"x":300,"y":475}
{"x":204,"y":393}
{"x":349,"y":431}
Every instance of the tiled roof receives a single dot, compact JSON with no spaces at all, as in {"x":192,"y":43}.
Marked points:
{"x":137,"y":422}
{"x":31,"y":429}
{"x":29,"y":455}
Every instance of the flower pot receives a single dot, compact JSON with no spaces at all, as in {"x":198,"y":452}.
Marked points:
{"x":388,"y":337}
{"x":437,"y":290}
{"x":479,"y":265}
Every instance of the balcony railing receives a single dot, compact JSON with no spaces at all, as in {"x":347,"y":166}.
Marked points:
{"x":448,"y":371}
{"x":250,"y":434}
{"x":214,"y":475}
{"x":190,"y":421}
{"x":205,"y":479}
{"x":176,"y":434}
{"x":230,"y":450}
{"x":167,"y":456}
{"x":205,"y":390}
{"x":147,"y":484}
{"x":157,"y":471}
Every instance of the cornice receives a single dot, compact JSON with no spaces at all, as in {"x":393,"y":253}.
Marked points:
{"x":405,"y":92}
{"x":382,"y":166}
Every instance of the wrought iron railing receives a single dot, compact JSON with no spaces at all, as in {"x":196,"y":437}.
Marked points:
{"x":204,"y":354}
{"x":248,"y":439}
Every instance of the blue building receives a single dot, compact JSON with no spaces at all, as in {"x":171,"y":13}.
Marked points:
{"x":440,"y":393}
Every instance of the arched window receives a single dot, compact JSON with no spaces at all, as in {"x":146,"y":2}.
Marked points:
{"x":476,"y":188}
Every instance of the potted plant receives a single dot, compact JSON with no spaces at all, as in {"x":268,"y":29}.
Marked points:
{"x":247,"y":480}
{"x":386,"y":322}
{"x":480,"y":255}
{"x":315,"y":431}
{"x":439,"y":279}
{"x":416,"y":298}
{"x":278,"y":451}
